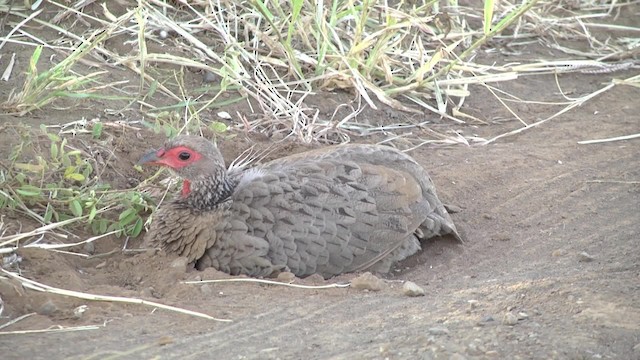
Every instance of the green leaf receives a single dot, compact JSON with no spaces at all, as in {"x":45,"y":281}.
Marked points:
{"x":75,"y":207}
{"x":103,"y":226}
{"x":127,"y":217}
{"x":137,"y":228}
{"x":48,"y":214}
{"x":88,"y":169}
{"x":92,"y":213}
{"x":29,"y":190}
{"x":29,"y":167}
{"x":65,"y":160}
{"x":75,"y":177}
{"x":218,"y":127}
{"x":96,"y":132}
{"x":127,"y":213}
{"x":54,"y":151}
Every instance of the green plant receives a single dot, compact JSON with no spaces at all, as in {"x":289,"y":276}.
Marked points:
{"x":63,"y":184}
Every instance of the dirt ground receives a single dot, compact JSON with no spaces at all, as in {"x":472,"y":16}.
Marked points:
{"x":550,"y":267}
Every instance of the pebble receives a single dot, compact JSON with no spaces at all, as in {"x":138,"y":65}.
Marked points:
{"x":473,"y":304}
{"x":492,"y":353}
{"x":475,"y":349}
{"x":501,"y":237}
{"x":79,"y":311}
{"x":101,"y":265}
{"x":286,"y":277}
{"x":209,"y":77}
{"x":557,"y":253}
{"x":89,"y":248}
{"x":149,"y":292}
{"x":438,"y":331}
{"x":488,"y":318}
{"x":523,"y":316}
{"x":585,"y":257}
{"x":637,"y":348}
{"x":412,"y":289}
{"x":456,"y":356}
{"x":509,"y":319}
{"x":367,"y":281}
{"x":206,"y":289}
{"x":48,"y":308}
{"x":485,"y":320}
{"x":180,"y":264}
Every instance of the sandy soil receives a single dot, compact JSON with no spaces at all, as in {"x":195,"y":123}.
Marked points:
{"x":550,"y":267}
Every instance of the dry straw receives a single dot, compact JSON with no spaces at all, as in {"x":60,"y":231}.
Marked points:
{"x":34,"y":285}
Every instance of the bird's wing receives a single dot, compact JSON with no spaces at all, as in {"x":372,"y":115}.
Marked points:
{"x":328,"y":214}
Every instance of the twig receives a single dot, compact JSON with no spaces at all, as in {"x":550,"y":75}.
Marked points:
{"x":34,"y":285}
{"x":270,"y":282}
{"x":617,"y":138}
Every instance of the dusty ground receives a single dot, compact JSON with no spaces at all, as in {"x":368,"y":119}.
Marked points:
{"x":551,"y":230}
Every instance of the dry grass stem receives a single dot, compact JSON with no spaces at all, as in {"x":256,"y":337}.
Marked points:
{"x":34,"y":285}
{"x":617,"y":138}
{"x":269,"y":282}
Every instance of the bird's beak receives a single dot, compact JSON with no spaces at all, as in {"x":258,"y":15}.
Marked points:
{"x":151,"y":158}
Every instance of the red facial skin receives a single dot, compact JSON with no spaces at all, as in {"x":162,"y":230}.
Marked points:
{"x":171,"y":158}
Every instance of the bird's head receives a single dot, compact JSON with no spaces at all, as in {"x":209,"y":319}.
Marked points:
{"x":193,"y":158}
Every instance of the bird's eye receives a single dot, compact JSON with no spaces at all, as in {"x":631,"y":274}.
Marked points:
{"x":184,"y":156}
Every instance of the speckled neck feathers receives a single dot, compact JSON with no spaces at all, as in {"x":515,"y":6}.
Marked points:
{"x":210,"y":192}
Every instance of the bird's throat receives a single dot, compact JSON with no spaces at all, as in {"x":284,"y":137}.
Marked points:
{"x":186,"y":188}
{"x":208,"y":193}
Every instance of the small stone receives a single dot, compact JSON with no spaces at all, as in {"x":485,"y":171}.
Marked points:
{"x":523,"y":316}
{"x":79,"y":311}
{"x":180,"y":264}
{"x":438,"y":331}
{"x":165,"y":340}
{"x":367,"y":281}
{"x":637,"y":348}
{"x":286,"y":277}
{"x":557,"y":253}
{"x":585,"y":257}
{"x":149,"y":292}
{"x":501,"y":237}
{"x":206,"y":289}
{"x":11,"y":260}
{"x":488,"y":318}
{"x":315,"y":279}
{"x":209,"y":77}
{"x":101,"y":265}
{"x":151,"y":252}
{"x":474,"y":349}
{"x":509,"y":319}
{"x":492,"y":353}
{"x":485,"y":320}
{"x":473,"y":304}
{"x":456,"y":356}
{"x":224,"y":115}
{"x":48,"y":308}
{"x":412,"y":289}
{"x":89,"y":248}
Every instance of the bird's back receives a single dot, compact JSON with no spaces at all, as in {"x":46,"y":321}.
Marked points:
{"x":331,"y":210}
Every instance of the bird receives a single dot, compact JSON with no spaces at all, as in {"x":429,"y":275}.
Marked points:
{"x":338,"y":209}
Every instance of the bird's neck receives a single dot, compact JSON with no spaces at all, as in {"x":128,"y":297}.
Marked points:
{"x":208,"y":193}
